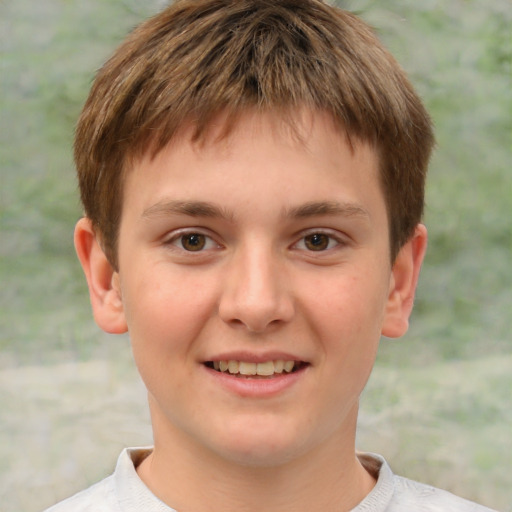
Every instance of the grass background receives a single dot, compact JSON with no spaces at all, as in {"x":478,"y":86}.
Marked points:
{"x":439,"y":403}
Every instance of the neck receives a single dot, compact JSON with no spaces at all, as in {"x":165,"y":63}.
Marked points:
{"x":328,"y":478}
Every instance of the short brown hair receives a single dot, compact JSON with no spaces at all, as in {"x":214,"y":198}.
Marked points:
{"x":198,"y":58}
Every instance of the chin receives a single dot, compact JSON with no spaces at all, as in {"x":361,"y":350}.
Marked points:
{"x":258,"y":446}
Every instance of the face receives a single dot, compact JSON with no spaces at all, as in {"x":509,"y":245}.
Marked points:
{"x":254,"y":279}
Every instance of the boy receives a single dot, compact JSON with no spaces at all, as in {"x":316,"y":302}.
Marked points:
{"x":252,"y":173}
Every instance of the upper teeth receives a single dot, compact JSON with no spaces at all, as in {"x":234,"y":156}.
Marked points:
{"x":245,"y":368}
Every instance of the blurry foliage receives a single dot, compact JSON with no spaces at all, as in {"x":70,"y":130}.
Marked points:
{"x":458,"y":55}
{"x":49,"y":53}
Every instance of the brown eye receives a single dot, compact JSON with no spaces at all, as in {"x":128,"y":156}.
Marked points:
{"x":193,"y":242}
{"x":317,"y":242}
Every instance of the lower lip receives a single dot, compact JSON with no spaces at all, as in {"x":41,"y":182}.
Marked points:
{"x":257,"y":387}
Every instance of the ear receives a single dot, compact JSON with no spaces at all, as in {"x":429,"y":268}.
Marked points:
{"x":102,"y":279}
{"x":404,"y":278}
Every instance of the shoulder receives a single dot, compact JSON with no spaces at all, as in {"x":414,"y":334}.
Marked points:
{"x":123,"y":490}
{"x":98,"y":498}
{"x":409,"y":495}
{"x":394,"y":493}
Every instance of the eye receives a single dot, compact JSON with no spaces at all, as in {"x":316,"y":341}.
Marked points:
{"x":317,"y":242}
{"x":192,"y":242}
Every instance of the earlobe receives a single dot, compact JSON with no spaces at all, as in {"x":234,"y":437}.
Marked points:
{"x":404,"y":278}
{"x":102,"y":279}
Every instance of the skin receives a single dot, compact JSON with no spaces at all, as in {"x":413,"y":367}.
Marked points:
{"x":258,"y":289}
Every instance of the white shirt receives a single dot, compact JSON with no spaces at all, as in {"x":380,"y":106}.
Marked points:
{"x":124,"y":491}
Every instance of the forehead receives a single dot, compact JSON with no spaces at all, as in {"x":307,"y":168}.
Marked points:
{"x":297,"y":158}
{"x":219,"y":131}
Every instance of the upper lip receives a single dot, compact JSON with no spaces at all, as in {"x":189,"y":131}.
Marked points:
{"x":254,"y":357}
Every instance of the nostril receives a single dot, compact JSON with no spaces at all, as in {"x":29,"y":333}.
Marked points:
{"x":256,"y":301}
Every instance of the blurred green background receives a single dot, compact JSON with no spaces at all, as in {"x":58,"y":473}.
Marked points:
{"x":439,"y":404}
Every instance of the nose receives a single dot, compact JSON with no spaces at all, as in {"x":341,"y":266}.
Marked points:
{"x":256,"y":294}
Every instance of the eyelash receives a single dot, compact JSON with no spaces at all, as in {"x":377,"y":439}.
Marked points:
{"x":178,"y":238}
{"x":206,"y":242}
{"x":333,"y":241}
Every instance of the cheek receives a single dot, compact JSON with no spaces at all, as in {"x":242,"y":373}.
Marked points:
{"x":165,"y":314}
{"x":352,"y":306}
{"x":348,"y":317}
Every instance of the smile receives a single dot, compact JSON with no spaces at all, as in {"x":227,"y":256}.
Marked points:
{"x":249,"y":369}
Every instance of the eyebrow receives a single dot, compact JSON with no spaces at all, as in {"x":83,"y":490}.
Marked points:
{"x":206,"y":209}
{"x":190,"y":208}
{"x":318,"y":208}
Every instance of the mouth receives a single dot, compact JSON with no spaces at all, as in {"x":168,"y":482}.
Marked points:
{"x":250,"y":370}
